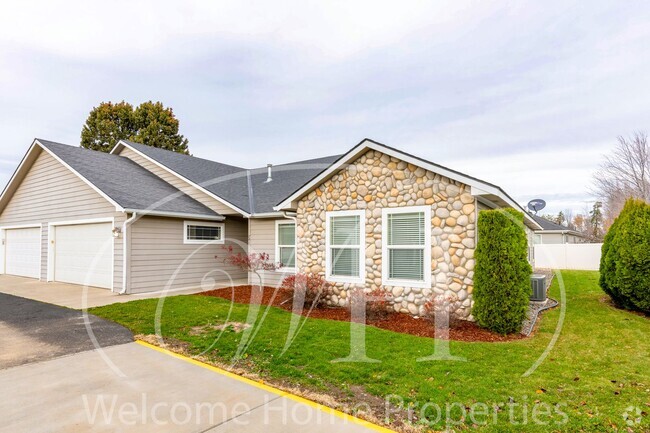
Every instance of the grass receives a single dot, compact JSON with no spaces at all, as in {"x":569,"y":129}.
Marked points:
{"x":598,"y":368}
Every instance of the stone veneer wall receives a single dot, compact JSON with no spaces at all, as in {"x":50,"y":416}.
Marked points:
{"x":376,"y":181}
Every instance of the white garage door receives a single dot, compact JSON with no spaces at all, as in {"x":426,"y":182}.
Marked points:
{"x":23,"y":252}
{"x":83,"y":254}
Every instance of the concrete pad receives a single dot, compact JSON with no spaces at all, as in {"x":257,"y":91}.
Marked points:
{"x":79,"y":297}
{"x":146,"y":390}
{"x":157,"y":392}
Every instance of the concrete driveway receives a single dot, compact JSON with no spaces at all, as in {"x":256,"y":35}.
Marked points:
{"x":51,"y":382}
{"x":79,"y":297}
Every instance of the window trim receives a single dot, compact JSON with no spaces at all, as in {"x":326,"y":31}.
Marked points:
{"x":278,"y":223}
{"x":386,"y":281}
{"x":205,"y":224}
{"x":361,"y":279}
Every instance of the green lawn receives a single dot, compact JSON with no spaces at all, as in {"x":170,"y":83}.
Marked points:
{"x":599,"y":366}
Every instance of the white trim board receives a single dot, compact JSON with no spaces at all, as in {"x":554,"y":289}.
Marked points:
{"x":114,"y":151}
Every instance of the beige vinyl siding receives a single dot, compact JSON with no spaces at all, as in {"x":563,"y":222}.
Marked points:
{"x":158,"y":252}
{"x":172,"y":179}
{"x":50,"y":192}
{"x":262,"y":240}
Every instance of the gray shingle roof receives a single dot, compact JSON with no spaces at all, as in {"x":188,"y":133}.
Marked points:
{"x":128,"y":184}
{"x":549,"y":225}
{"x":243,"y":188}
{"x":287,"y":178}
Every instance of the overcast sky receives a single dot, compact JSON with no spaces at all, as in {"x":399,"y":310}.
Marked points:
{"x":525,"y":94}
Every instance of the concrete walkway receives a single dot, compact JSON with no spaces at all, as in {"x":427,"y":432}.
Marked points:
{"x":78,"y":297}
{"x":141,"y":389}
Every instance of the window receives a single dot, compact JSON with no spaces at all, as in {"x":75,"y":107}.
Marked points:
{"x":344,"y":250}
{"x":285,"y":245}
{"x":406,"y":246}
{"x":537,"y":240}
{"x":202,"y":232}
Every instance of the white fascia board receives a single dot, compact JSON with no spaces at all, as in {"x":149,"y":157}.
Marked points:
{"x":153,"y":212}
{"x":184,"y":179}
{"x":267,"y":215}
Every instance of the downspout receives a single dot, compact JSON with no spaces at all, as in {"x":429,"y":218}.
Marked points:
{"x":126,"y":251}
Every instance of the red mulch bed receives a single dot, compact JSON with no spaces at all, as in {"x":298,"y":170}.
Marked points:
{"x":460,"y":330}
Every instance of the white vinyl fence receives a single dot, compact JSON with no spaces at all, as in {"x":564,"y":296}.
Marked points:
{"x":568,"y":256}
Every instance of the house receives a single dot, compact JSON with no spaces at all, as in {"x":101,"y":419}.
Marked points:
{"x":144,"y":219}
{"x":553,"y":233}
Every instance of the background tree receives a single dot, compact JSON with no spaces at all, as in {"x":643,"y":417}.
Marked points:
{"x":151,"y":123}
{"x":107,"y":124}
{"x":157,"y":126}
{"x":596,"y":225}
{"x":560,"y":218}
{"x":625,"y":173}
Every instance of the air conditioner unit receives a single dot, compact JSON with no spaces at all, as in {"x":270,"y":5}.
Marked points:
{"x":538,"y":286}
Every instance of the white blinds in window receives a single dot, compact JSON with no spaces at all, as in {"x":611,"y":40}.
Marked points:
{"x":406,"y":243}
{"x":345,"y":245}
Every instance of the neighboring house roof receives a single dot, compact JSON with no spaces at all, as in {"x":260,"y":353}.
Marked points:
{"x":121,"y":181}
{"x":246,"y":190}
{"x":551,"y":227}
{"x":483,"y":190}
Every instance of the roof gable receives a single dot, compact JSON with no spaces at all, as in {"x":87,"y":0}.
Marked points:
{"x":245,"y":190}
{"x":478,"y":187}
{"x":119,"y":180}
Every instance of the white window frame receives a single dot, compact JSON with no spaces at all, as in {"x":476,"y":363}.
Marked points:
{"x":278,"y":223}
{"x":361,"y":279}
{"x":426,"y":283}
{"x":206,"y":224}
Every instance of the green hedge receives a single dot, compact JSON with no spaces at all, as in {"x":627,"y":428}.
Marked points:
{"x":502,"y":274}
{"x":625,"y":258}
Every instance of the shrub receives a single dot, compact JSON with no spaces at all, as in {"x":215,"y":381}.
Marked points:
{"x":625,"y":258}
{"x":502,"y":273}
{"x":312,"y":288}
{"x":377,"y":302}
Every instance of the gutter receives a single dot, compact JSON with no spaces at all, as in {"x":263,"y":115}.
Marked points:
{"x":126,"y":251}
{"x":176,"y":214}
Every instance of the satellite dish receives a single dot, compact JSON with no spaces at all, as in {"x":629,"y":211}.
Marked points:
{"x":536,"y":205}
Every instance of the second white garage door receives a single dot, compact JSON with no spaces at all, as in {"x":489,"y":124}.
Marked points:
{"x":83,"y":254}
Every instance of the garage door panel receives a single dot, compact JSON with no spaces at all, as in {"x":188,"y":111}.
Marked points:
{"x":83,"y":254}
{"x":23,"y":252}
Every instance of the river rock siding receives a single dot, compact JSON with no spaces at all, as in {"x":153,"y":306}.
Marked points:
{"x":375,"y":181}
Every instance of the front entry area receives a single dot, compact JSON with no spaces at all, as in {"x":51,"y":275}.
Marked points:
{"x":82,"y":254}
